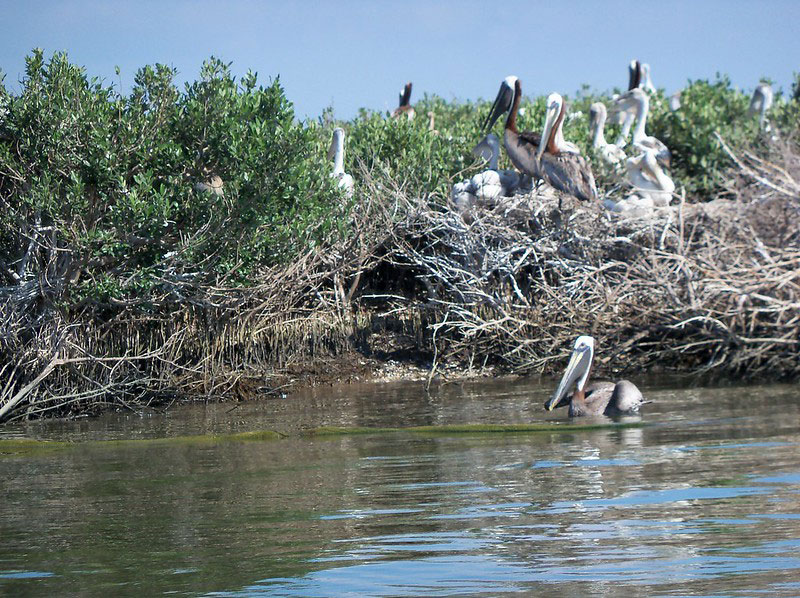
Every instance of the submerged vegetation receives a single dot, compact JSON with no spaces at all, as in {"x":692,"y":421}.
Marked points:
{"x":125,"y":281}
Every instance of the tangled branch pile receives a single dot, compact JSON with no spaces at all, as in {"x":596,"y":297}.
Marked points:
{"x":695,"y":287}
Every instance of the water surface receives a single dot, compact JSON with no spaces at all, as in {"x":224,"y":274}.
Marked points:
{"x":702,"y":500}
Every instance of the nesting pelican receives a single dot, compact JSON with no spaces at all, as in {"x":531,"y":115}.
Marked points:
{"x":647,"y":178}
{"x":642,"y":142}
{"x":404,"y":107}
{"x":597,"y":398}
{"x":610,"y":153}
{"x":521,"y":147}
{"x":760,"y":103}
{"x":490,"y":184}
{"x":336,"y":153}
{"x":561,"y":164}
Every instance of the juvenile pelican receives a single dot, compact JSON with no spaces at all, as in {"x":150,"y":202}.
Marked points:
{"x":521,"y":147}
{"x":598,"y":398}
{"x":336,"y":152}
{"x":404,"y":107}
{"x":645,"y":82}
{"x":761,"y":102}
{"x":636,"y":98}
{"x":647,"y":179}
{"x":610,"y":153}
{"x":638,"y":78}
{"x":562,"y":166}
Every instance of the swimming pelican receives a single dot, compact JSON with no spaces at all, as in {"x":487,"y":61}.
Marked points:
{"x":336,"y":152}
{"x":610,"y":153}
{"x":562,"y":166}
{"x":636,"y":98}
{"x":521,"y":147}
{"x":606,"y":398}
{"x":404,"y":107}
{"x":761,"y":102}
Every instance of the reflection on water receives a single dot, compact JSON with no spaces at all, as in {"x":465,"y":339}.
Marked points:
{"x":704,"y":500}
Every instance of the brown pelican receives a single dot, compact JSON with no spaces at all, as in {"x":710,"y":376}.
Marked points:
{"x":404,"y":108}
{"x":597,"y":398}
{"x":610,"y":153}
{"x":521,"y":147}
{"x":336,"y":152}
{"x":760,"y":103}
{"x":561,"y":164}
{"x":642,"y":142}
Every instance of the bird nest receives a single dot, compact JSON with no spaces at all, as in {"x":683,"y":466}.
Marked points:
{"x":707,"y":287}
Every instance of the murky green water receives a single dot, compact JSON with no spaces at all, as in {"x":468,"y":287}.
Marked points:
{"x":704,"y":500}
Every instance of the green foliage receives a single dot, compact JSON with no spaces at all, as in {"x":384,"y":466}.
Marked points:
{"x":105,"y":183}
{"x":113,"y":177}
{"x":698,"y":160}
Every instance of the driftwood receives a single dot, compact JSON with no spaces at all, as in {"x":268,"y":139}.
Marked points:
{"x":709,"y":287}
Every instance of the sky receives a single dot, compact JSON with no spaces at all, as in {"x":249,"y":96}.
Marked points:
{"x":349,"y":54}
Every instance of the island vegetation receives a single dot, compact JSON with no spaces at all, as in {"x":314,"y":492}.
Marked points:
{"x":128,"y":281}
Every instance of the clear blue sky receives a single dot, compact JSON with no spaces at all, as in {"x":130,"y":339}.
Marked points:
{"x":353,"y":53}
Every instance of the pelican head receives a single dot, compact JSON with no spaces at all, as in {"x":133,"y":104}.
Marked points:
{"x":405,"y":95}
{"x":502,"y":103}
{"x":552,"y":110}
{"x":488,"y":149}
{"x":336,"y":143}
{"x":631,"y":100}
{"x":577,"y":370}
{"x":634,"y":74}
{"x":646,"y":82}
{"x":597,"y":122}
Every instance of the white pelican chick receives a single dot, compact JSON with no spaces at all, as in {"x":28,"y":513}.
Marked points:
{"x":336,"y":152}
{"x":489,"y":185}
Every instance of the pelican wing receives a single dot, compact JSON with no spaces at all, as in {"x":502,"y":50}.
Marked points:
{"x":625,"y":398}
{"x":521,"y":149}
{"x":570,"y":173}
